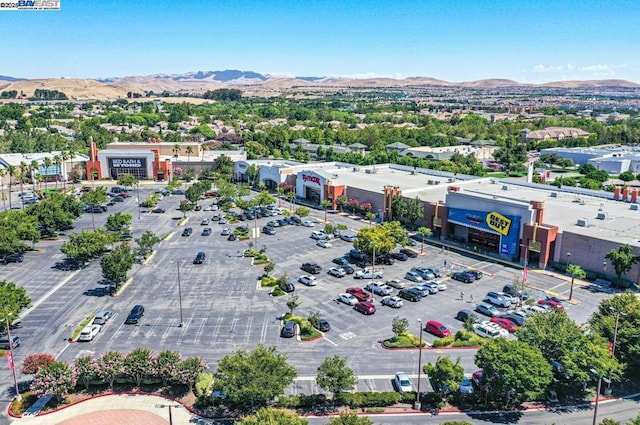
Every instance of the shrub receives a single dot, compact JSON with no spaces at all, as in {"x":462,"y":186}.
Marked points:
{"x":404,"y":340}
{"x":375,"y":410}
{"x":370,"y":399}
{"x":18,"y":407}
{"x":289,"y":402}
{"x":203,"y":385}
{"x":443,"y":342}
{"x":34,"y":362}
{"x":268,"y":281}
{"x":277,"y":292}
{"x":433,"y":400}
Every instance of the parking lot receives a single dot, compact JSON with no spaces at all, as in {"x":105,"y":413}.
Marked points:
{"x":224,"y":309}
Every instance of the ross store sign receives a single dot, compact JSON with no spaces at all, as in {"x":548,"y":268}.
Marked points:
{"x":498,"y":222}
{"x":127,"y":162}
{"x":313,"y":179}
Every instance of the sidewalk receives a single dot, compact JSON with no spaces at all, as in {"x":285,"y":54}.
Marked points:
{"x":120,"y":409}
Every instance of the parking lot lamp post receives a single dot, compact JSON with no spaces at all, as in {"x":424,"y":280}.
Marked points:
{"x":138,"y":195}
{"x":417,"y":404}
{"x":568,"y":258}
{"x":162,"y":406}
{"x":595,"y":406}
{"x":11,"y":361}
{"x":179,"y":295}
{"x":604,"y":268}
{"x":373,"y":270}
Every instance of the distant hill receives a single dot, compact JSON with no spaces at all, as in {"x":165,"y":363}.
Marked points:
{"x":10,"y":79}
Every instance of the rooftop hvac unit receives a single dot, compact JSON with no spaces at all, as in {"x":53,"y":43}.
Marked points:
{"x":493,"y":181}
{"x":355,"y":169}
{"x":634,"y":207}
{"x":554,"y":194}
{"x":602,"y":216}
{"x":505,"y":187}
{"x":582,"y":222}
{"x":413,"y":172}
{"x":371,"y":171}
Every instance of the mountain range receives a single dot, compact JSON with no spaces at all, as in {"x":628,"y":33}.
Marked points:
{"x":256,"y":84}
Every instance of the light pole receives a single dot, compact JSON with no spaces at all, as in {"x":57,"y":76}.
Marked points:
{"x":179,"y":294}
{"x":138,"y":194}
{"x":615,"y":329}
{"x":418,"y":404}
{"x":568,"y":258}
{"x":604,"y":268}
{"x":162,"y":406}
{"x":10,"y":360}
{"x":595,"y":407}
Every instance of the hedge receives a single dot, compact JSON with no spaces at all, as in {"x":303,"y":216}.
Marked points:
{"x":370,"y":399}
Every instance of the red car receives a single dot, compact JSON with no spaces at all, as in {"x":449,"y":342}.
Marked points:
{"x":555,"y":304}
{"x":505,"y":323}
{"x":479,"y":381}
{"x":437,"y":329}
{"x":365,"y":308}
{"x":358,"y":293}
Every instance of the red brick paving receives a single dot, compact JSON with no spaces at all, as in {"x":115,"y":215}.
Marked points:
{"x":117,"y":417}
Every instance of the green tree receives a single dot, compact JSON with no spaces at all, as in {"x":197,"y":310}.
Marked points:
{"x":254,"y":377}
{"x":119,"y":221}
{"x":146,"y":242}
{"x":342,"y":201}
{"x":335,"y":375}
{"x":553,"y":333}
{"x":189,"y":369}
{"x":127,"y":180}
{"x":424,"y":232}
{"x":350,"y":419}
{"x":293,"y":302}
{"x":626,"y":176}
{"x":374,"y":238}
{"x":271,"y":416}
{"x":325,"y":205}
{"x":269,"y":267}
{"x":399,"y":325}
{"x":302,"y":212}
{"x":514,"y":369}
{"x":370,"y":216}
{"x":622,"y":258}
{"x":94,"y":198}
{"x":138,"y":364}
{"x":394,"y":228}
{"x":415,"y":211}
{"x":56,"y":379}
{"x":117,"y":263}
{"x":445,"y":375}
{"x":575,"y":271}
{"x":252,"y":173}
{"x":264,"y":198}
{"x":592,"y":352}
{"x":166,"y":366}
{"x":12,"y":300}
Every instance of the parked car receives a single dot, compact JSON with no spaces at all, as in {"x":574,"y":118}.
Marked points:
{"x":413,"y":277}
{"x":516,"y":318}
{"x":288,"y":287}
{"x":435,"y":272}
{"x":409,"y":252}
{"x":486,"y":331}
{"x":308,"y":280}
{"x":369,"y":274}
{"x":288,"y":330}
{"x":402,"y":383}
{"x":4,"y":342}
{"x":187,"y":231}
{"x":396,"y":283}
{"x":341,"y":261}
{"x":348,"y":238}
{"x":463,"y":315}
{"x":399,"y":256}
{"x":232,"y":237}
{"x":312,"y":268}
{"x":206,"y":231}
{"x":320,"y":236}
{"x":222,"y":220}
{"x":424,"y":273}
{"x":268,"y":230}
{"x":379,"y":288}
{"x":497,"y":299}
{"x":490,"y":325}
{"x":204,"y":222}
{"x":513,"y":291}
{"x":464,"y":277}
{"x":390,"y":301}
{"x":308,"y":223}
{"x":89,"y":332}
{"x":322,"y":325}
{"x":347,"y":299}
{"x":324,"y":244}
{"x":365,"y":307}
{"x":410,"y":294}
{"x":225,"y":232}
{"x":16,"y":257}
{"x":135,"y":315}
{"x":337,"y":272}
{"x":200,"y":256}
{"x":466,"y":386}
{"x":505,"y":323}
{"x":436,"y":328}
{"x":347,"y":269}
{"x":423,"y":290}
{"x":357,"y":255}
{"x":102,"y":317}
{"x":431,"y":286}
{"x":479,"y":380}
{"x":555,"y":304}
{"x":487,"y":310}
{"x":358,"y":293}
{"x":477,"y":274}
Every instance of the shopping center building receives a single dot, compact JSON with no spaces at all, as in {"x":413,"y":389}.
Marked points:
{"x":509,"y":219}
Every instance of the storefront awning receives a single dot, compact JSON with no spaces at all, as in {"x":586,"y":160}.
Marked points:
{"x":482,"y":229}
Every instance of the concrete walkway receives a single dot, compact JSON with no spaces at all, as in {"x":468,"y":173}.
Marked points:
{"x":121,"y":409}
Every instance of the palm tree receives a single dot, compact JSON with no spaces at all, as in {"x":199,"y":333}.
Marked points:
{"x":176,"y":152}
{"x":574,"y":271}
{"x":23,"y":171}
{"x":370,"y":216}
{"x":48,"y":163}
{"x":58,"y":161}
{"x":280,"y":190}
{"x":424,"y":232}
{"x":325,"y":204}
{"x":35,"y":166}
{"x":3,"y":172}
{"x":12,"y":172}
{"x":189,"y":151}
{"x":204,"y":148}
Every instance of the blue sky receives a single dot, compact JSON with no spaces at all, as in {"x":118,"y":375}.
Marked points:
{"x":526,"y":40}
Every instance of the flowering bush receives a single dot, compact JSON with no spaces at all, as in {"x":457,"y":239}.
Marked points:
{"x":34,"y":362}
{"x":57,"y":379}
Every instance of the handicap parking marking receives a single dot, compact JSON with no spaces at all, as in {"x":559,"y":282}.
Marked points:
{"x":347,"y":335}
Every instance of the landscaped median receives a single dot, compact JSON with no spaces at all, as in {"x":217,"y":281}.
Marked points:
{"x":461,"y":339}
{"x":76,"y":332}
{"x":307,"y":331}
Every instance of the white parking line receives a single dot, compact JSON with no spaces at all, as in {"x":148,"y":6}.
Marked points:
{"x":330,"y":342}
{"x":48,"y":294}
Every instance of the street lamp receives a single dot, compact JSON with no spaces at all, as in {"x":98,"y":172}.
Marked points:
{"x":10,"y":359}
{"x":179,"y":294}
{"x":568,"y":258}
{"x":595,"y":407}
{"x":162,"y":406}
{"x":604,"y":268}
{"x":418,"y":405}
{"x":138,"y":195}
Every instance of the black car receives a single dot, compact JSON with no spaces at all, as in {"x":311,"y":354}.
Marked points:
{"x":409,"y":252}
{"x":288,"y":287}
{"x":288,"y":330}
{"x":268,"y":230}
{"x":16,"y":257}
{"x":348,"y":269}
{"x":322,"y":325}
{"x":464,"y":315}
{"x":464,"y":277}
{"x":399,"y":256}
{"x":341,"y":261}
{"x":312,"y":268}
{"x":387,"y":260}
{"x":283,"y":222}
{"x":357,"y":255}
{"x":477,"y":274}
{"x":187,"y":231}
{"x":515,"y":318}
{"x":232,"y":237}
{"x":199,"y":258}
{"x":206,"y":231}
{"x":158,"y":211}
{"x":410,"y":294}
{"x":136,"y":314}
{"x":515,"y":292}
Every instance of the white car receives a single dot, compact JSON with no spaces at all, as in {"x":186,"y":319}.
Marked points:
{"x":536,"y":308}
{"x":413,"y":277}
{"x":320,"y":236}
{"x":308,"y":223}
{"x":89,"y":332}
{"x":497,"y":299}
{"x":324,"y":244}
{"x":207,"y":208}
{"x":348,"y":299}
{"x":402,"y":382}
{"x":379,"y":288}
{"x":396,"y":283}
{"x":308,"y":280}
{"x":337,"y":272}
{"x":488,"y":331}
{"x":369,"y":274}
{"x":394,"y":302}
{"x":503,"y":332}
